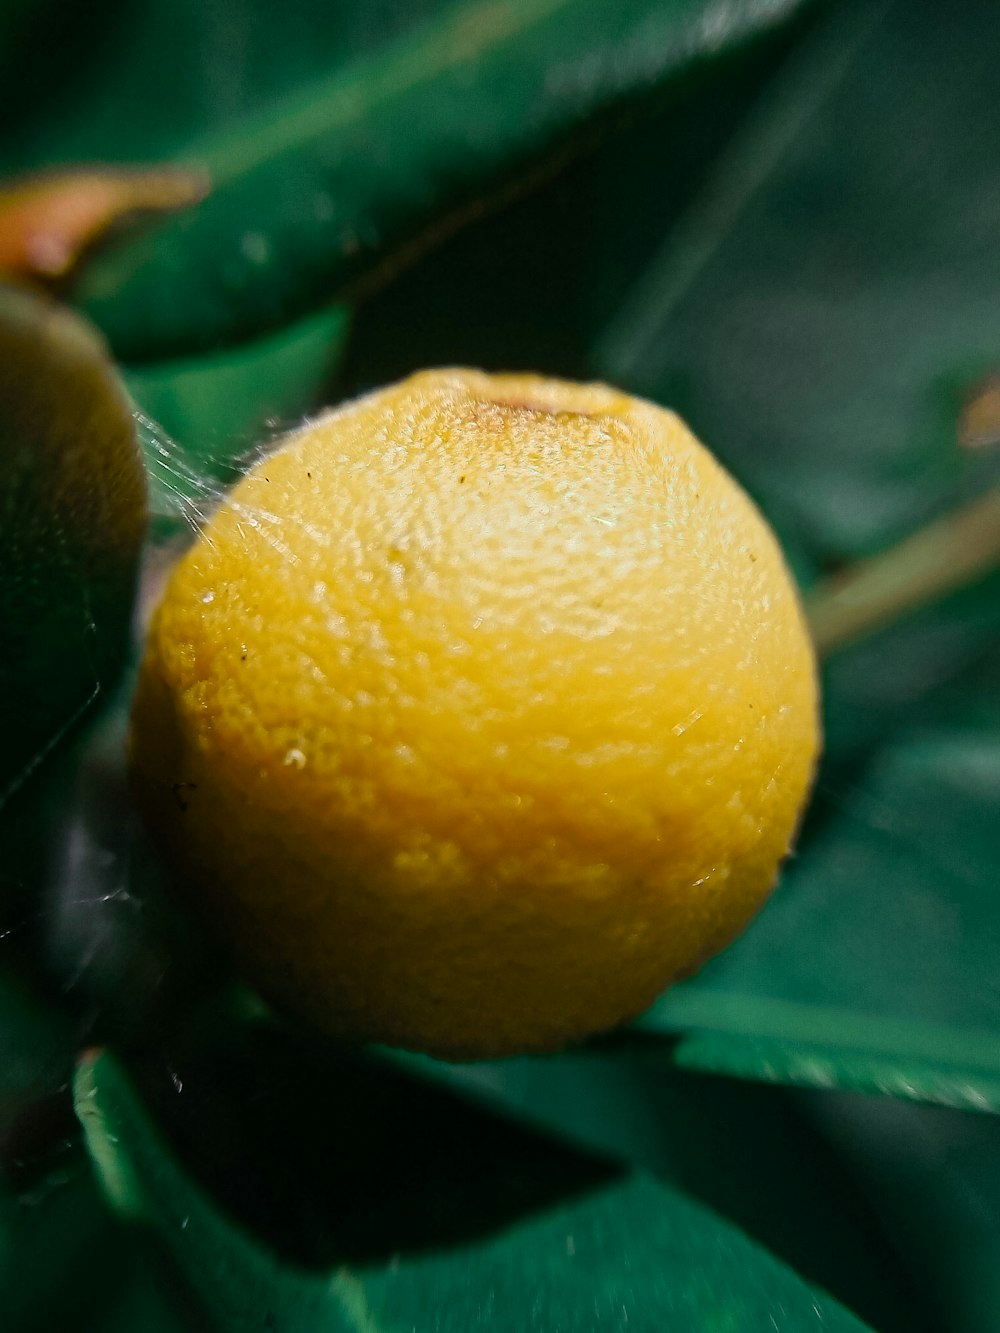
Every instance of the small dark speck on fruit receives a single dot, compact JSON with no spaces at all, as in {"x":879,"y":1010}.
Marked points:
{"x":753,"y":558}
{"x":178,"y":789}
{"x":461,"y":479}
{"x":309,"y":475}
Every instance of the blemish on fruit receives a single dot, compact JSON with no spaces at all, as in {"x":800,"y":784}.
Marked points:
{"x":178,"y":789}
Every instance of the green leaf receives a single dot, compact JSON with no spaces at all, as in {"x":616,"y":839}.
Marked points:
{"x":62,"y":101}
{"x":750,"y":1152}
{"x":66,"y":1261}
{"x":72,"y":520}
{"x":385,"y":150}
{"x":532,"y":285}
{"x":821,"y":309}
{"x":490,"y":1227}
{"x":933,"y":1176}
{"x":57,"y":1237}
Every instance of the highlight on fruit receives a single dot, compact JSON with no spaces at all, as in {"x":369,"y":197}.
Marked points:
{"x":481,"y":710}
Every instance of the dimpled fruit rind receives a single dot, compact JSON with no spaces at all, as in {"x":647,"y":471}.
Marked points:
{"x":479,"y":711}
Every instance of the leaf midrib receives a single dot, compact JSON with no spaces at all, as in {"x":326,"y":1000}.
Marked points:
{"x":461,"y":35}
{"x":770,"y":1018}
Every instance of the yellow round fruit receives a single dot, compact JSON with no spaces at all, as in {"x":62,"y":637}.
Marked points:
{"x":480,"y":710}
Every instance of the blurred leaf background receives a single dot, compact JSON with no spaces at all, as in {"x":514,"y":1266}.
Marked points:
{"x":779,"y":218}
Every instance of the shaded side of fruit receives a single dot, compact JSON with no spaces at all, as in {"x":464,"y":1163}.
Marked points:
{"x":72,"y":521}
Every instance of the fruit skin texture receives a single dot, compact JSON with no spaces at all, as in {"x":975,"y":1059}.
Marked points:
{"x":480,"y":711}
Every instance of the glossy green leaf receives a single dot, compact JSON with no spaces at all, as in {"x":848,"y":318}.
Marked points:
{"x":532,"y":285}
{"x":214,"y":64}
{"x":491,"y":1227}
{"x":316,"y":189}
{"x":934,"y":1177}
{"x":72,"y":520}
{"x":750,"y":1152}
{"x":57,"y":1236}
{"x":66,"y":1261}
{"x":822,"y":307}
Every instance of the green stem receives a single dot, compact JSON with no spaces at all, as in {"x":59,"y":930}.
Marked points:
{"x":945,"y":555}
